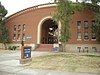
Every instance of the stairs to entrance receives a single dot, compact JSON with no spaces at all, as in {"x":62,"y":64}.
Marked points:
{"x":45,"y":47}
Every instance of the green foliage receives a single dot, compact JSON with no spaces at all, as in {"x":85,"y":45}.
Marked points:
{"x":3,"y":11}
{"x":94,"y":2}
{"x":65,"y":10}
{"x":92,"y":7}
{"x":4,"y":33}
{"x":13,"y":47}
{"x":3,"y":29}
{"x":96,"y":9}
{"x":96,"y":28}
{"x":78,"y":6}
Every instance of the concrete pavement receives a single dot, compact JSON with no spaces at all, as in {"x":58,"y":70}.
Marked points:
{"x":9,"y":65}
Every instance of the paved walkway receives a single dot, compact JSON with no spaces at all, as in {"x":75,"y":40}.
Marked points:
{"x":9,"y":65}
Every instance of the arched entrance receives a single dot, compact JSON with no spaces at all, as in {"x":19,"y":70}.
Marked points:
{"x":48,"y":29}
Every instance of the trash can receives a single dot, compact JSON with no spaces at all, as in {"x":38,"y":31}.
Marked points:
{"x":56,"y":49}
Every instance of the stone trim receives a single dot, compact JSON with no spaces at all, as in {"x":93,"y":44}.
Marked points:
{"x":74,"y":47}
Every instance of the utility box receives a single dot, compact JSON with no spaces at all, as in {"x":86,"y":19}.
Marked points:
{"x":25,"y":54}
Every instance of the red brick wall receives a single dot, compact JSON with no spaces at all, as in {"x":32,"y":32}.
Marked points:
{"x":32,"y":18}
{"x":86,"y":15}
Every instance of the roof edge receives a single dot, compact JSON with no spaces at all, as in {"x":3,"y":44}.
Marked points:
{"x":30,"y":8}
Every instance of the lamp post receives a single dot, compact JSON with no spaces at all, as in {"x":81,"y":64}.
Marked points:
{"x":22,"y":41}
{"x":25,"y":52}
{"x":22,"y":47}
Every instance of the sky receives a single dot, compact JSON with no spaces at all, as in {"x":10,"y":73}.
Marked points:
{"x":14,"y":6}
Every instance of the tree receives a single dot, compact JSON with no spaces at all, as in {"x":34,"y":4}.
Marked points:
{"x":96,"y":27}
{"x":65,"y":9}
{"x":3,"y":29}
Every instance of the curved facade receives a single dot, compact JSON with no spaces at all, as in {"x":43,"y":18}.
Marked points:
{"x":33,"y":24}
{"x":30,"y":18}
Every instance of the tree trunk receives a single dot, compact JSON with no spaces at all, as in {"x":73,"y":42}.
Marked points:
{"x":63,"y":47}
{"x":5,"y":45}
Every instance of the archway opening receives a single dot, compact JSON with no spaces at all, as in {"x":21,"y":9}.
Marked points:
{"x":48,"y":29}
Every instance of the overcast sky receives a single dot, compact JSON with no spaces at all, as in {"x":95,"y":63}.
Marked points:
{"x":16,"y":5}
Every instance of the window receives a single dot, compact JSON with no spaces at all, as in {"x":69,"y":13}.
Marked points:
{"x":93,"y":36}
{"x":94,"y":49}
{"x":14,"y":36}
{"x":86,"y":36}
{"x":86,"y":25}
{"x":18,"y":37}
{"x":79,"y":49}
{"x":23,"y":27}
{"x":19,"y":27}
{"x":79,"y":36}
{"x":78,"y":24}
{"x":93,"y":23}
{"x":86,"y":49}
{"x":14,"y":27}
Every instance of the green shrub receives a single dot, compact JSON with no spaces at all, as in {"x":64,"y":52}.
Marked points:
{"x":13,"y":47}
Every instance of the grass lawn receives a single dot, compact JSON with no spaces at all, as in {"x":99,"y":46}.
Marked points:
{"x":71,"y":62}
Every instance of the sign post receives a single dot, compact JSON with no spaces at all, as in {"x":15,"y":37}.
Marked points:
{"x":25,"y":54}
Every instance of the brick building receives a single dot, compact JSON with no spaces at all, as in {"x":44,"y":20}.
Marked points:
{"x":35,"y":26}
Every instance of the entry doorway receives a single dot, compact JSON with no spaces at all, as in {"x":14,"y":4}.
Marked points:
{"x":48,"y":29}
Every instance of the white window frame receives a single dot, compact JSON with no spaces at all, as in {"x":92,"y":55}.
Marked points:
{"x":86,"y":34}
{"x":79,"y":36}
{"x":86,"y":26}
{"x":78,"y":24}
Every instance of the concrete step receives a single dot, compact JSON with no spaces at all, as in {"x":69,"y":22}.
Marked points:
{"x":45,"y":47}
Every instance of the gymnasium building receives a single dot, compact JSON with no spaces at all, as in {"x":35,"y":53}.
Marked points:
{"x":36,"y":27}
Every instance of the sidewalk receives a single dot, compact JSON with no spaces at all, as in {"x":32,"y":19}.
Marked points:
{"x":9,"y":65}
